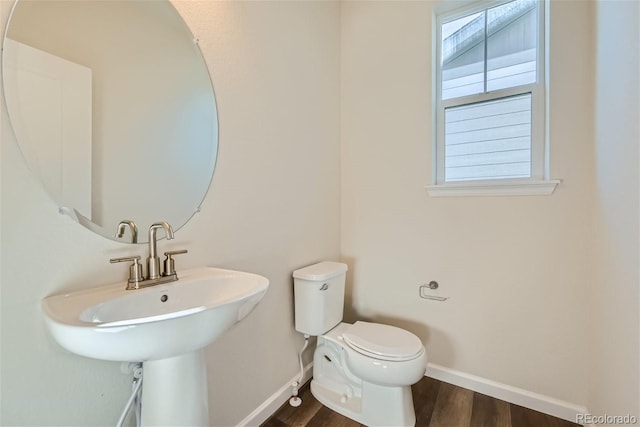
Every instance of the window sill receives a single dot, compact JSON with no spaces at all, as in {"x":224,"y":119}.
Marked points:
{"x":501,"y":188}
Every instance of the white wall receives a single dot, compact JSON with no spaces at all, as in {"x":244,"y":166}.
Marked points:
{"x":273,"y":207}
{"x":525,"y":275}
{"x":614,"y":346}
{"x":516,"y":269}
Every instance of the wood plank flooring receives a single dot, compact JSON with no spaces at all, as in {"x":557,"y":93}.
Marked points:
{"x":437,"y":404}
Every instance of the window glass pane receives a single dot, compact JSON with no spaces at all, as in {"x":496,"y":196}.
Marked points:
{"x":512,"y":44}
{"x":489,"y":140}
{"x":463,"y":56}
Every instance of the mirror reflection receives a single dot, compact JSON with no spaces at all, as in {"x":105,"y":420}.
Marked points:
{"x":113,"y":108}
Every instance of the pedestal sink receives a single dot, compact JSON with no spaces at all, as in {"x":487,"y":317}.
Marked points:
{"x":165,"y":326}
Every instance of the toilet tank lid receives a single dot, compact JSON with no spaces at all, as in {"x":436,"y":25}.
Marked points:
{"x":321,"y":271}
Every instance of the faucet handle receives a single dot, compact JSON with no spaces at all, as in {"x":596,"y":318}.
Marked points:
{"x":135,"y":270}
{"x":169,"y":263}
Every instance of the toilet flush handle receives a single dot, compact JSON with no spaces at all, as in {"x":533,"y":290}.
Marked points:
{"x":324,"y":287}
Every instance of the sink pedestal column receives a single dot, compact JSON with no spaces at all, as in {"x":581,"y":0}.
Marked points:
{"x":174,"y":391}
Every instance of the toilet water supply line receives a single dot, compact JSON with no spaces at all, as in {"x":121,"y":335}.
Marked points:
{"x":295,"y":400}
{"x":135,"y":398}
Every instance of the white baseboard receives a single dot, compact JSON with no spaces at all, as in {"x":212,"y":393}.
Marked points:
{"x":538,"y":402}
{"x":275,"y":401}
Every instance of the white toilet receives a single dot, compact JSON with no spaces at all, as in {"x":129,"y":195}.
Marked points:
{"x":362,"y":370}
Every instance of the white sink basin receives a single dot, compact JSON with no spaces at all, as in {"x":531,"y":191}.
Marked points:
{"x":158,"y":322}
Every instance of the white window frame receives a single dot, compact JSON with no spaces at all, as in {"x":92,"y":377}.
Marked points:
{"x":539,"y":182}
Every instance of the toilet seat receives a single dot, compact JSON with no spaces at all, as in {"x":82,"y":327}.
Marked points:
{"x":383,"y":342}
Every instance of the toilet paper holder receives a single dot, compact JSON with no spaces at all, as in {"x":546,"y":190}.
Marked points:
{"x":425,"y":288}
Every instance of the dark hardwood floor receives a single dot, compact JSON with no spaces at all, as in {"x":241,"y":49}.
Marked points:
{"x":438,"y":404}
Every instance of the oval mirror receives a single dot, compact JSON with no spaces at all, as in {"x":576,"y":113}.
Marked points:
{"x":113,"y":108}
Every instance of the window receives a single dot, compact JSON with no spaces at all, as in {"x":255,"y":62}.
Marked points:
{"x":490,"y":106}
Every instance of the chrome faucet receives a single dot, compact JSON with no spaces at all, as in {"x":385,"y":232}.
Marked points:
{"x":153,"y":261}
{"x":122,"y":225}
{"x":154,"y":275}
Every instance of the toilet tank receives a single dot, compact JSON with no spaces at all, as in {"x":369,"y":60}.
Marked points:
{"x":319,"y":297}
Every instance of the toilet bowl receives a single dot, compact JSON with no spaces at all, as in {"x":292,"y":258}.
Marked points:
{"x":384,"y":355}
{"x":364,"y":383}
{"x":363,"y":370}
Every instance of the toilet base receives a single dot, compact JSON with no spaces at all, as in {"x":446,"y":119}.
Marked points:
{"x":375,"y":406}
{"x":379,"y":403}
